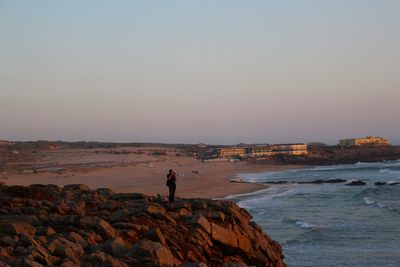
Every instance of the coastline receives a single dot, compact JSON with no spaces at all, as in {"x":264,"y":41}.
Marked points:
{"x":196,"y":179}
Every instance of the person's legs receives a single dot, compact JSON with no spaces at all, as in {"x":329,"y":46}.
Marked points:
{"x":170,"y":194}
{"x":173,"y":193}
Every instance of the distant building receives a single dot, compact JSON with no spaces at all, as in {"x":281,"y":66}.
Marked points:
{"x":298,"y":149}
{"x":259,"y":151}
{"x":367,"y":141}
{"x":265,"y":151}
{"x":231,"y":152}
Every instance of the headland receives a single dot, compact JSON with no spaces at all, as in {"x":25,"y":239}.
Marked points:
{"x":47,"y":225}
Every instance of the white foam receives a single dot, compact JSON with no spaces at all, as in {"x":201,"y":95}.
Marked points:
{"x":246,"y":194}
{"x":388,"y":167}
{"x":369,"y":201}
{"x":275,"y":192}
{"x":380,"y":205}
{"x":349,"y":181}
{"x":265,"y":177}
{"x":239,"y":179}
{"x":389,"y":171}
{"x":358,"y":165}
{"x":306,"y":225}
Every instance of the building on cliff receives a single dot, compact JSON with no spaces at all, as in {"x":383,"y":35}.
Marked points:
{"x":298,"y":149}
{"x":231,"y":152}
{"x":367,"y":141}
{"x":259,"y":151}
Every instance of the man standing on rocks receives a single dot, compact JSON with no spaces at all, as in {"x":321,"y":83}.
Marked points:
{"x":171,"y":183}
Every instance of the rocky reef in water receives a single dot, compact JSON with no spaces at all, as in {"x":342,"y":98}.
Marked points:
{"x":46,"y":225}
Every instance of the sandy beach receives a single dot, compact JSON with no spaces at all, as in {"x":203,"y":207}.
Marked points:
{"x":139,"y":172}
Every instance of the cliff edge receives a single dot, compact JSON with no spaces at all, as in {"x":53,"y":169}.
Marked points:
{"x":45,"y":225}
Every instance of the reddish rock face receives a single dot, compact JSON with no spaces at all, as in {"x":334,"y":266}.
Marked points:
{"x":74,"y":226}
{"x":17,"y":228}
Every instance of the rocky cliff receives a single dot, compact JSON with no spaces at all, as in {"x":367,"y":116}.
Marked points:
{"x":45,"y":225}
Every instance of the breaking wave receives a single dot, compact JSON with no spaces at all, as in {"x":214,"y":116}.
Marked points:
{"x":389,"y":171}
{"x":369,"y":201}
{"x":306,"y":225}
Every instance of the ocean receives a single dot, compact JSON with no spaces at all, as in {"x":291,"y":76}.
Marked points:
{"x":331,"y":224}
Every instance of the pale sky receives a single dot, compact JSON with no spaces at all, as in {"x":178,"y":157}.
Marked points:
{"x":218,"y":72}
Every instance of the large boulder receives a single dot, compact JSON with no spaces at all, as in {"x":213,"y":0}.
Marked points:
{"x":105,"y":192}
{"x":100,"y":225}
{"x":199,"y":220}
{"x":129,"y":196}
{"x":100,"y":259}
{"x":115,"y":247}
{"x":223,"y":235}
{"x":64,"y":248}
{"x":30,"y":263}
{"x":16,"y":228}
{"x":216,"y":215}
{"x":76,"y":238}
{"x":355,"y":183}
{"x":156,"y":235}
{"x":77,"y":187}
{"x":155,"y":210}
{"x":30,"y":219}
{"x":78,"y":208}
{"x":150,"y":253}
{"x":123,"y":215}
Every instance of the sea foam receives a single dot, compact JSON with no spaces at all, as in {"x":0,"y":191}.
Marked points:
{"x":306,"y":225}
{"x":369,"y":201}
{"x":389,"y":171}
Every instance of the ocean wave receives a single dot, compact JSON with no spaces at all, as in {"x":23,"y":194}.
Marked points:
{"x":358,"y":165}
{"x":389,"y":171}
{"x":393,"y":209}
{"x":266,"y":177}
{"x":306,"y":225}
{"x":293,"y":175}
{"x":284,"y":193}
{"x":259,"y":197}
{"x":369,"y":201}
{"x":332,"y":168}
{"x":238,"y":196}
{"x":335,"y":168}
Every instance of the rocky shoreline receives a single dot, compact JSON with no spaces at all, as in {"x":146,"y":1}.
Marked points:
{"x":46,"y":225}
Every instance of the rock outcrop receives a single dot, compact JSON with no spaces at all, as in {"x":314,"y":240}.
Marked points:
{"x":355,"y":182}
{"x":45,"y":225}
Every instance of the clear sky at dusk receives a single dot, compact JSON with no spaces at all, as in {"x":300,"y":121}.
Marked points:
{"x":218,"y":72}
